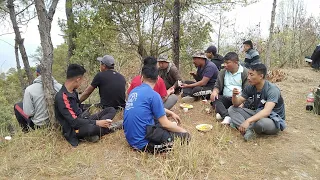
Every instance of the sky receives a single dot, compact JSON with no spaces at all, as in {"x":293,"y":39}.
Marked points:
{"x":244,"y":17}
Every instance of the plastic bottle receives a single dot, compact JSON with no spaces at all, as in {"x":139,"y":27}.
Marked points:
{"x":310,"y":101}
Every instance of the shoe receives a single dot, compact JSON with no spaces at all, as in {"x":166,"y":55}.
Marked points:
{"x":92,"y":138}
{"x":188,"y":99}
{"x":226,"y":120}
{"x":116,"y":125}
{"x":249,"y":135}
{"x":218,"y":116}
{"x":232,"y":125}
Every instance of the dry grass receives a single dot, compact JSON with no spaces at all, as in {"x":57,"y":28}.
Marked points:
{"x":218,"y":154}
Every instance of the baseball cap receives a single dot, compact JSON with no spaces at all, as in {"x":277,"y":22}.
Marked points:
{"x":199,"y":54}
{"x":163,"y":58}
{"x":211,"y":49}
{"x":107,"y":60}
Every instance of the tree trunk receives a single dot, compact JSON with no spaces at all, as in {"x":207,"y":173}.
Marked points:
{"x":19,"y":40}
{"x":219,"y":32}
{"x":71,"y":31}
{"x":176,"y":33}
{"x":16,"y":52}
{"x":45,"y":20}
{"x":273,"y":15}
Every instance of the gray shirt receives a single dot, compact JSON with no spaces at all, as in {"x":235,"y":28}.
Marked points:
{"x":269,"y":93}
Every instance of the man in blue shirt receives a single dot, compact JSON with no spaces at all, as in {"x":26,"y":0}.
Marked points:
{"x":144,"y":105}
{"x":206,"y":76}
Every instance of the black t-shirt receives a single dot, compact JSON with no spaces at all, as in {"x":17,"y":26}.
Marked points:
{"x":112,"y":88}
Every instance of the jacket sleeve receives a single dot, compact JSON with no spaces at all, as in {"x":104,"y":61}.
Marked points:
{"x":69,"y":115}
{"x":244,"y":77}
{"x":220,"y":81}
{"x":174,"y":73}
{"x":28,"y":106}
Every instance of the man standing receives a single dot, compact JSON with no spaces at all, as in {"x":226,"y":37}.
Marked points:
{"x":75,"y":123}
{"x":33,"y":110}
{"x":233,"y":76}
{"x":111,"y":84}
{"x":212,"y":55}
{"x":316,"y":58}
{"x":252,"y":55}
{"x":143,"y":107}
{"x":266,"y":114}
{"x":169,"y":73}
{"x":206,"y":76}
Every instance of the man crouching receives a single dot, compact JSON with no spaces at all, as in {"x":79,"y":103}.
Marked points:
{"x":144,"y":105}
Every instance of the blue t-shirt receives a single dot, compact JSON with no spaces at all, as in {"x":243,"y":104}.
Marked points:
{"x":143,"y":106}
{"x":210,"y":71}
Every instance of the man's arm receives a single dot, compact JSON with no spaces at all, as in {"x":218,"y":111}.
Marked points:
{"x":168,"y":125}
{"x":203,"y":82}
{"x":173,"y":115}
{"x":237,"y":100}
{"x":86,"y":93}
{"x":28,"y":106}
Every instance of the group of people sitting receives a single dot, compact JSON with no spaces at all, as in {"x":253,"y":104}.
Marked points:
{"x":240,"y":95}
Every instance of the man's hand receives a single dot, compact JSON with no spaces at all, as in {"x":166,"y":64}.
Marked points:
{"x":184,"y":85}
{"x":235,"y":92}
{"x":176,"y":118}
{"x":214,"y":95}
{"x":104,"y":123}
{"x":170,"y":91}
{"x":243,"y":127}
{"x":192,"y":73}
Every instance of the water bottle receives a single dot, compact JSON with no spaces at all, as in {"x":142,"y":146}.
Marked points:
{"x":310,"y":101}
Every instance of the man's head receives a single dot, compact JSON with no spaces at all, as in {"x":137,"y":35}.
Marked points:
{"x":75,"y":74}
{"x":163,"y":61}
{"x":106,"y":62}
{"x":257,"y":73}
{"x":150,"y":61}
{"x":231,"y":61}
{"x":247,"y":45}
{"x":38,"y":71}
{"x":211,"y":52}
{"x":149,"y":74}
{"x":199,"y":59}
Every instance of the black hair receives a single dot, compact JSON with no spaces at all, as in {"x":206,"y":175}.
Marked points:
{"x":249,"y":42}
{"x":260,"y":68}
{"x":231,"y":56}
{"x":150,"y":61}
{"x":75,"y":70}
{"x":150,"y":72}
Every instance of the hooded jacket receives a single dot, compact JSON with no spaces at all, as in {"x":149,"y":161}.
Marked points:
{"x":34,"y":104}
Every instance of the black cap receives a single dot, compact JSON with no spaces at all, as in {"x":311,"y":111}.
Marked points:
{"x":211,"y":49}
{"x":248,"y":42}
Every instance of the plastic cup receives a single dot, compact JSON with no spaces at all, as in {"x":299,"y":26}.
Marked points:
{"x":185,"y":109}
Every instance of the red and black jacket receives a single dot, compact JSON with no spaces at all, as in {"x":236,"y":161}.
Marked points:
{"x":67,"y":111}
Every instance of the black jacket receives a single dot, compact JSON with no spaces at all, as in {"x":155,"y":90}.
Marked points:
{"x":217,"y":60}
{"x":67,"y":111}
{"x":316,"y":58}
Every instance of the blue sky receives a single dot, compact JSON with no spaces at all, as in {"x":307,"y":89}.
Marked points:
{"x":244,"y":16}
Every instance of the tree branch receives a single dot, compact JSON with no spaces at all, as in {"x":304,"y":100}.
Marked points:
{"x":52,"y":9}
{"x":24,"y":9}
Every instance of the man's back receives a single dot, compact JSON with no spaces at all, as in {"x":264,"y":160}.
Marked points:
{"x":143,"y":105}
{"x":217,"y":60}
{"x":112,"y":87}
{"x":34,"y":103}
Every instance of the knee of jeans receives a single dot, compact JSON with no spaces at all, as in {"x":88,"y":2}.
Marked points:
{"x":258,"y":127}
{"x":231,"y":109}
{"x":173,"y":97}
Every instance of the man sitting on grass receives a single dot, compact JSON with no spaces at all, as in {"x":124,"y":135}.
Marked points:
{"x":75,"y":123}
{"x":206,"y":76}
{"x":266,"y":114}
{"x":143,"y":105}
{"x":233,"y":76}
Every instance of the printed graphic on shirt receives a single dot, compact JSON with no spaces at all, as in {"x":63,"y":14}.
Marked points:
{"x":132,"y":98}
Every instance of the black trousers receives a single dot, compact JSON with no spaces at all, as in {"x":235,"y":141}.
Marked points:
{"x":222,"y":104}
{"x":93,"y":130}
{"x":24,"y":121}
{"x":199,"y":91}
{"x":161,"y":140}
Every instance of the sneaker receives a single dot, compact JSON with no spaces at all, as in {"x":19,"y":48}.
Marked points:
{"x":92,"y":138}
{"x":218,"y":116}
{"x":249,"y":135}
{"x":116,"y":125}
{"x":226,"y":120}
{"x":188,"y":99}
{"x":232,"y":125}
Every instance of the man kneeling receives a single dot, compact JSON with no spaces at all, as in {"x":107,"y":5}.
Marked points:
{"x":143,"y":105}
{"x":75,"y":123}
{"x":266,"y":113}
